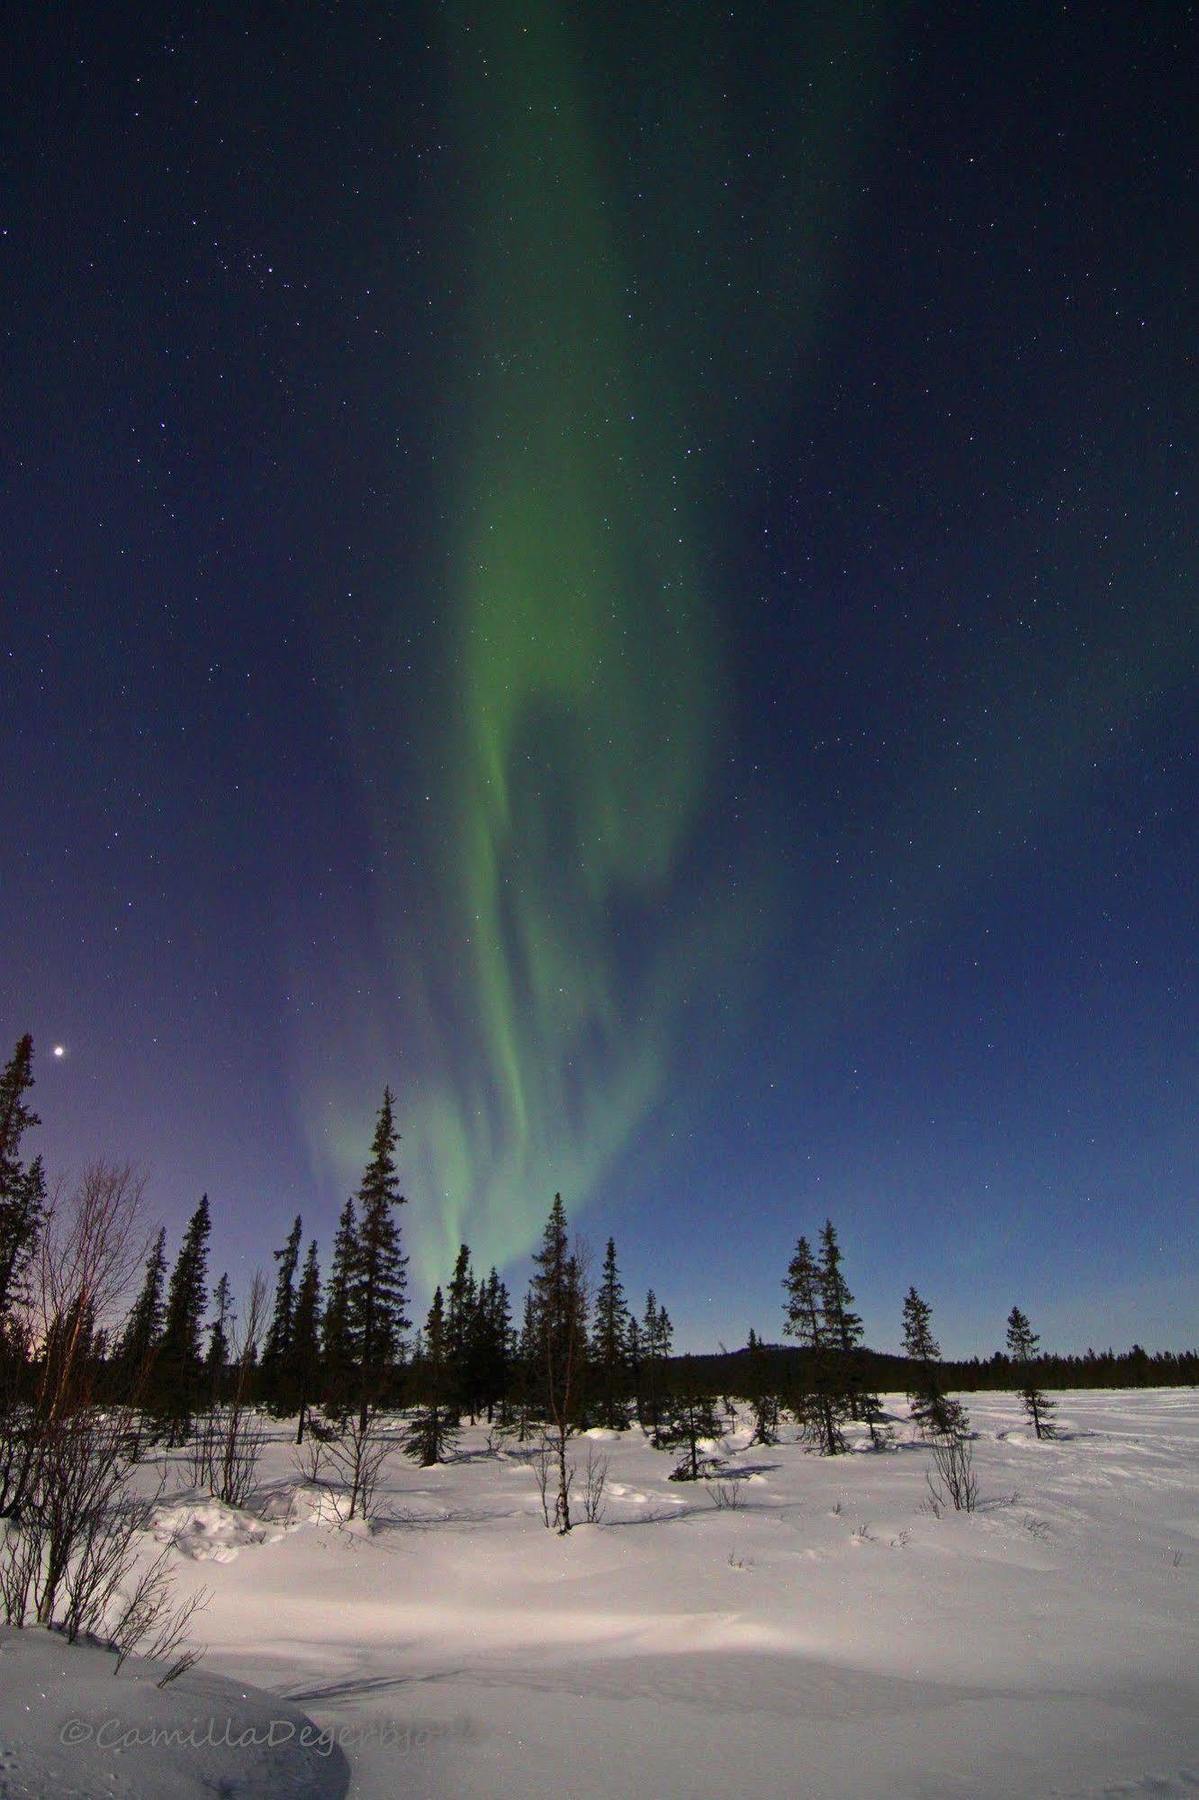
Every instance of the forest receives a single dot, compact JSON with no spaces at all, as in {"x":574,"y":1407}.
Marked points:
{"x":111,"y":1349}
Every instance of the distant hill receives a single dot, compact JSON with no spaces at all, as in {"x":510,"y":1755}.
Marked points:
{"x":727,"y":1371}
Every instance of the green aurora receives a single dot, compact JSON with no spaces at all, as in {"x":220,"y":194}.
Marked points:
{"x":586,"y":664}
{"x":614,"y":360}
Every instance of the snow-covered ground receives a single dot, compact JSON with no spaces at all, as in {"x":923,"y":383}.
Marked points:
{"x":72,"y":1728}
{"x":828,"y":1636}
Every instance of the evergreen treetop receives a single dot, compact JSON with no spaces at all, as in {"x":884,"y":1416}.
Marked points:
{"x":1023,"y":1342}
{"x":22,"y":1187}
{"x":432,"y":1433}
{"x":219,"y":1346}
{"x":931,"y":1408}
{"x":378,"y":1277}
{"x":610,"y":1344}
{"x":278,"y":1338}
{"x":177,"y":1367}
{"x":303,"y":1365}
{"x":187,"y":1295}
{"x":1023,"y":1346}
{"x":143,"y":1327}
{"x":844,"y":1325}
{"x":805,"y":1317}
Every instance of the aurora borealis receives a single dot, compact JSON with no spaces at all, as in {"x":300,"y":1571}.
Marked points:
{"x":627,"y":571}
{"x":585,"y":678}
{"x":582,"y":664}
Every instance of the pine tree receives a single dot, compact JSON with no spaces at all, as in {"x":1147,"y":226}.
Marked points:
{"x":432,"y":1433}
{"x":691,"y":1418}
{"x":276,"y":1350}
{"x":217,"y":1360}
{"x":636,"y":1356}
{"x":648,"y":1383}
{"x":1023,"y":1345}
{"x":304,"y":1360}
{"x":143,"y":1328}
{"x":610,"y":1346}
{"x":459,"y":1333}
{"x":655,"y":1338}
{"x":178,"y":1363}
{"x":526,"y":1383}
{"x":493,"y":1344}
{"x":821,"y":1404}
{"x":560,"y":1325}
{"x":379,"y":1280}
{"x":844,"y":1324}
{"x":932,"y":1410}
{"x":844,"y":1330}
{"x":22,"y":1187}
{"x":336,"y":1339}
{"x":763,"y":1400}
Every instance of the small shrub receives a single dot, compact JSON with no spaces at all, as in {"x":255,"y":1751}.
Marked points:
{"x":595,"y":1477}
{"x":356,"y":1462}
{"x":956,"y":1481}
{"x":692,"y":1467}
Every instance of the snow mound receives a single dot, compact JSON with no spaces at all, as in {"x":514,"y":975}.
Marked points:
{"x":619,"y":1490}
{"x":210,"y":1531}
{"x":67,"y":1727}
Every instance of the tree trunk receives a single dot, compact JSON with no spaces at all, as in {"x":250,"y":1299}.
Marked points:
{"x":562,"y":1503}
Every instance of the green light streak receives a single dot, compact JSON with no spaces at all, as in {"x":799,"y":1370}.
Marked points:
{"x":541,"y":964}
{"x":584,"y":669}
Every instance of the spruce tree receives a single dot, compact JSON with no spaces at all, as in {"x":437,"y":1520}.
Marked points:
{"x":460,"y":1325}
{"x":379,"y":1280}
{"x":1023,"y":1345}
{"x":636,"y":1357}
{"x":217,"y":1360}
{"x":560,"y":1325}
{"x":760,"y":1391}
{"x":844,"y":1330}
{"x":431,"y":1434}
{"x":559,"y":1315}
{"x":932,"y":1410}
{"x":821,"y":1402}
{"x":610,"y":1346}
{"x":22,"y":1186}
{"x":492,"y":1340}
{"x":178,"y":1364}
{"x":142,"y":1330}
{"x":303,"y":1372}
{"x":691,"y":1418}
{"x":656,"y":1336}
{"x":336,"y":1338}
{"x":648,"y":1384}
{"x":15,"y":1116}
{"x":526,"y":1384}
{"x":276,"y":1350}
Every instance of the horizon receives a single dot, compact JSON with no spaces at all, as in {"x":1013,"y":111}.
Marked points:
{"x":516,"y":1276}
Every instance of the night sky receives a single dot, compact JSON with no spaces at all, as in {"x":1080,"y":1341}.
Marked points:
{"x":629,"y":570}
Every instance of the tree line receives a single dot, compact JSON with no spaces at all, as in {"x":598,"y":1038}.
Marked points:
{"x":333,"y":1348}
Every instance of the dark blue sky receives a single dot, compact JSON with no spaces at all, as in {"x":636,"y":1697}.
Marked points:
{"x":891,"y":317}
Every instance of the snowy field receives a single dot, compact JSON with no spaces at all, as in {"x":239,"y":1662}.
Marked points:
{"x":827,"y":1636}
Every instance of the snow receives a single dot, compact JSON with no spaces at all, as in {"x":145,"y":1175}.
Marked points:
{"x":827,"y":1637}
{"x":71,"y":1727}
